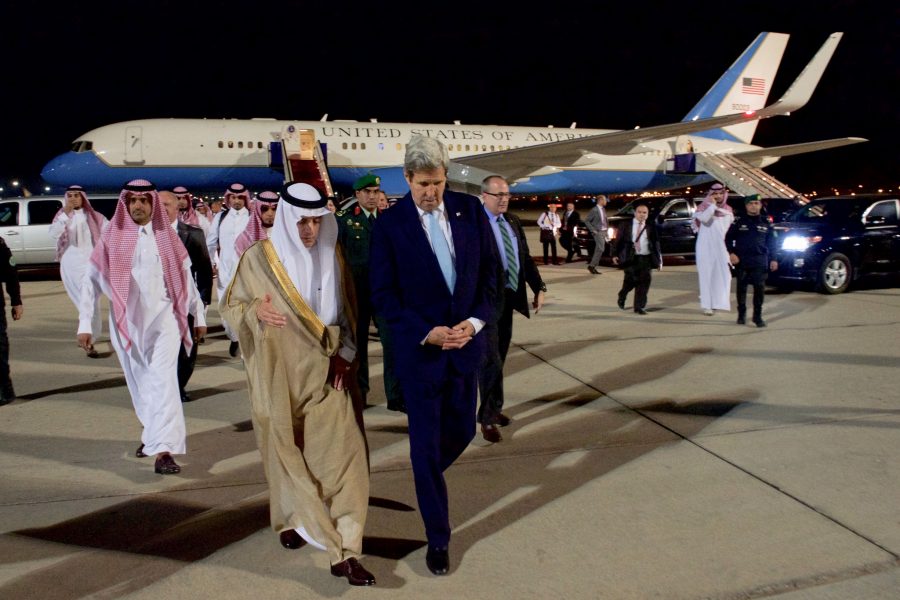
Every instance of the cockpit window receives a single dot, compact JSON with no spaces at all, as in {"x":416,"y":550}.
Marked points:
{"x":82,"y":146}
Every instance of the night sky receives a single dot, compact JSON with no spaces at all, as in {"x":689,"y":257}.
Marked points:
{"x":71,"y":68}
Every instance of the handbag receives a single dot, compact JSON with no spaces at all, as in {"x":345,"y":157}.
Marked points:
{"x":547,"y":235}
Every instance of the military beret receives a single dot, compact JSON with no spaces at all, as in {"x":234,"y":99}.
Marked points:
{"x":753,"y":198}
{"x":367,"y":180}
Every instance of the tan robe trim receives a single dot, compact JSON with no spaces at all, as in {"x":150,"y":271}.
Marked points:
{"x":308,"y":316}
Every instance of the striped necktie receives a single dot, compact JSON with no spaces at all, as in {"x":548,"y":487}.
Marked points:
{"x":512,"y":265}
{"x":441,"y":250}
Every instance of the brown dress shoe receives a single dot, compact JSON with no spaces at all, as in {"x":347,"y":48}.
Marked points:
{"x":92,"y":353}
{"x":503,"y":420}
{"x":166,"y":465}
{"x":140,"y":452}
{"x":290,"y":539}
{"x":353,"y":571}
{"x":491,"y":433}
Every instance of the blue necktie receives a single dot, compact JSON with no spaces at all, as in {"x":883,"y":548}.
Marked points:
{"x":441,"y":250}
{"x":512,"y":266}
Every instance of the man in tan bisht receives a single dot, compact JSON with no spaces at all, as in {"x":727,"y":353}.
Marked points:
{"x":288,"y":306}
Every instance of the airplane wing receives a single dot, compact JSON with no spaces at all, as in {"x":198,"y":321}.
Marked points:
{"x":756,"y":157}
{"x":520,"y":162}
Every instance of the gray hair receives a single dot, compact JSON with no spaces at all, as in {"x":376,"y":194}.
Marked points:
{"x":485,"y":183}
{"x":425,"y":154}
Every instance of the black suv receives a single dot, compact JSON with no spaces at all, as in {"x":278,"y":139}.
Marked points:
{"x":833,"y":241}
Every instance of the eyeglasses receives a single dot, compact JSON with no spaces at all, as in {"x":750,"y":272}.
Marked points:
{"x":263,"y":208}
{"x":501,"y":195}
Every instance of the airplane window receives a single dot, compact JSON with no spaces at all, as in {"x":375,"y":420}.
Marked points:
{"x":249,"y":144}
{"x":467,"y":147}
{"x":9,"y":214}
{"x":483,"y":148}
{"x":240,"y":144}
{"x":492,"y":147}
{"x":344,"y":145}
{"x":231,"y":144}
{"x":221,"y":144}
{"x":362,"y":146}
{"x":353,"y":146}
{"x":259,"y":144}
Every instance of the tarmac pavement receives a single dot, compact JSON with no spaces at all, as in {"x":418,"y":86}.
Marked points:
{"x":671,"y":455}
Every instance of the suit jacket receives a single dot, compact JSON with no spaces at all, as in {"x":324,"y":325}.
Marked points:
{"x":624,"y":247}
{"x":571,"y":222}
{"x":409,"y":291}
{"x":201,"y":267}
{"x":595,"y":221}
{"x":528,"y":271}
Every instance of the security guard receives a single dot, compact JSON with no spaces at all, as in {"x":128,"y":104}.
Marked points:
{"x":751,"y":243}
{"x":10,"y":276}
{"x":355,"y":228}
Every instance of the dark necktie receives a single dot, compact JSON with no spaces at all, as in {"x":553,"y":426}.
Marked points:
{"x":371,"y":219}
{"x":512,"y":265}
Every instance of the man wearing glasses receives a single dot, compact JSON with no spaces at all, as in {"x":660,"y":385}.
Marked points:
{"x":354,"y":234}
{"x":515,"y":269}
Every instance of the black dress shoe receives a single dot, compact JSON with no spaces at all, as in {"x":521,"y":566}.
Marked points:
{"x":759,"y":322}
{"x":233,"y":348}
{"x":741,"y":320}
{"x":503,"y":420}
{"x":166,"y":465}
{"x":621,"y":303}
{"x":640,"y":311}
{"x":491,"y":433}
{"x":185,"y":397}
{"x":438,"y":560}
{"x":353,"y":571}
{"x":6,"y":399}
{"x":140,"y":452}
{"x":290,"y":539}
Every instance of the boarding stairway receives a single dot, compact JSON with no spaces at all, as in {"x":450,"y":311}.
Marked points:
{"x":303,"y":159}
{"x":742,"y":177}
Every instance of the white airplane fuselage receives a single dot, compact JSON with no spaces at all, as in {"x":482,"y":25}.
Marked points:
{"x":210,"y":154}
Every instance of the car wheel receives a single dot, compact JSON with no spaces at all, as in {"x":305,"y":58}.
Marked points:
{"x":834,"y":274}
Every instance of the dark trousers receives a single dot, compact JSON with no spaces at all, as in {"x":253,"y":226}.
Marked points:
{"x":638,"y":275}
{"x":363,"y":316}
{"x":6,"y":386}
{"x":565,"y":240}
{"x":755,"y":276}
{"x":186,"y":362}
{"x":391,"y":383}
{"x":441,"y":425}
{"x":551,"y":245}
{"x":490,"y":377}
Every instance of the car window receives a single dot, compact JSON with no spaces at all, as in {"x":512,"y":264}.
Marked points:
{"x":9,"y":214}
{"x":884,"y":212}
{"x":678,"y":210}
{"x":41,"y":212}
{"x":834,"y":211}
{"x":105,"y":206}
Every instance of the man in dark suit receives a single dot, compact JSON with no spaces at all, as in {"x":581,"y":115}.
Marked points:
{"x":433,"y":273}
{"x":638,"y":252}
{"x":515,"y":268}
{"x":570,"y":221}
{"x":201,"y":269}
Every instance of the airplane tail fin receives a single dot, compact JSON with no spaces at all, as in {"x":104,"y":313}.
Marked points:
{"x":744,"y":87}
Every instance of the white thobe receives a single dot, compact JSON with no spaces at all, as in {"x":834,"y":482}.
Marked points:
{"x":151,"y":364}
{"x":712,"y":259}
{"x":222,"y":235}
{"x":75,"y":259}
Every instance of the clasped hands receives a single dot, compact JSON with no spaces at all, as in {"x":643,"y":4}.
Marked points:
{"x":451,"y":338}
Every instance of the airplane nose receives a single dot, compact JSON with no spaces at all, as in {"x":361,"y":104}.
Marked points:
{"x":53,"y":172}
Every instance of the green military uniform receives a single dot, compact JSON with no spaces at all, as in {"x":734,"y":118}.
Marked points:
{"x":354,"y":236}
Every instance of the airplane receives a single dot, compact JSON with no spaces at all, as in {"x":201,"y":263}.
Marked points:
{"x":210,"y":154}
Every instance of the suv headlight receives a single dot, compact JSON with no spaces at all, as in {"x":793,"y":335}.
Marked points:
{"x":799,"y":243}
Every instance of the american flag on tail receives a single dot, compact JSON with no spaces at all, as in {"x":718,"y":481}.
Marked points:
{"x":753,"y":85}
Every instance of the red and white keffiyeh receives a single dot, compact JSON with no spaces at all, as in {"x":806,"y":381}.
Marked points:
{"x":94,"y":221}
{"x":114,"y":252}
{"x":188,"y":215}
{"x":255,"y":230}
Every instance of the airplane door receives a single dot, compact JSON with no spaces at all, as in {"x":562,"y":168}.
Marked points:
{"x":134,"y":151}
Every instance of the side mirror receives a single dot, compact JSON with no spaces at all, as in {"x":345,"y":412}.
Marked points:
{"x":876,"y":220}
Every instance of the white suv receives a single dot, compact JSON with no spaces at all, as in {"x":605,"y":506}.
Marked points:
{"x":25,"y":225}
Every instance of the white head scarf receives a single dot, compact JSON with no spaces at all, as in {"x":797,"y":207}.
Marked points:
{"x":313,"y":271}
